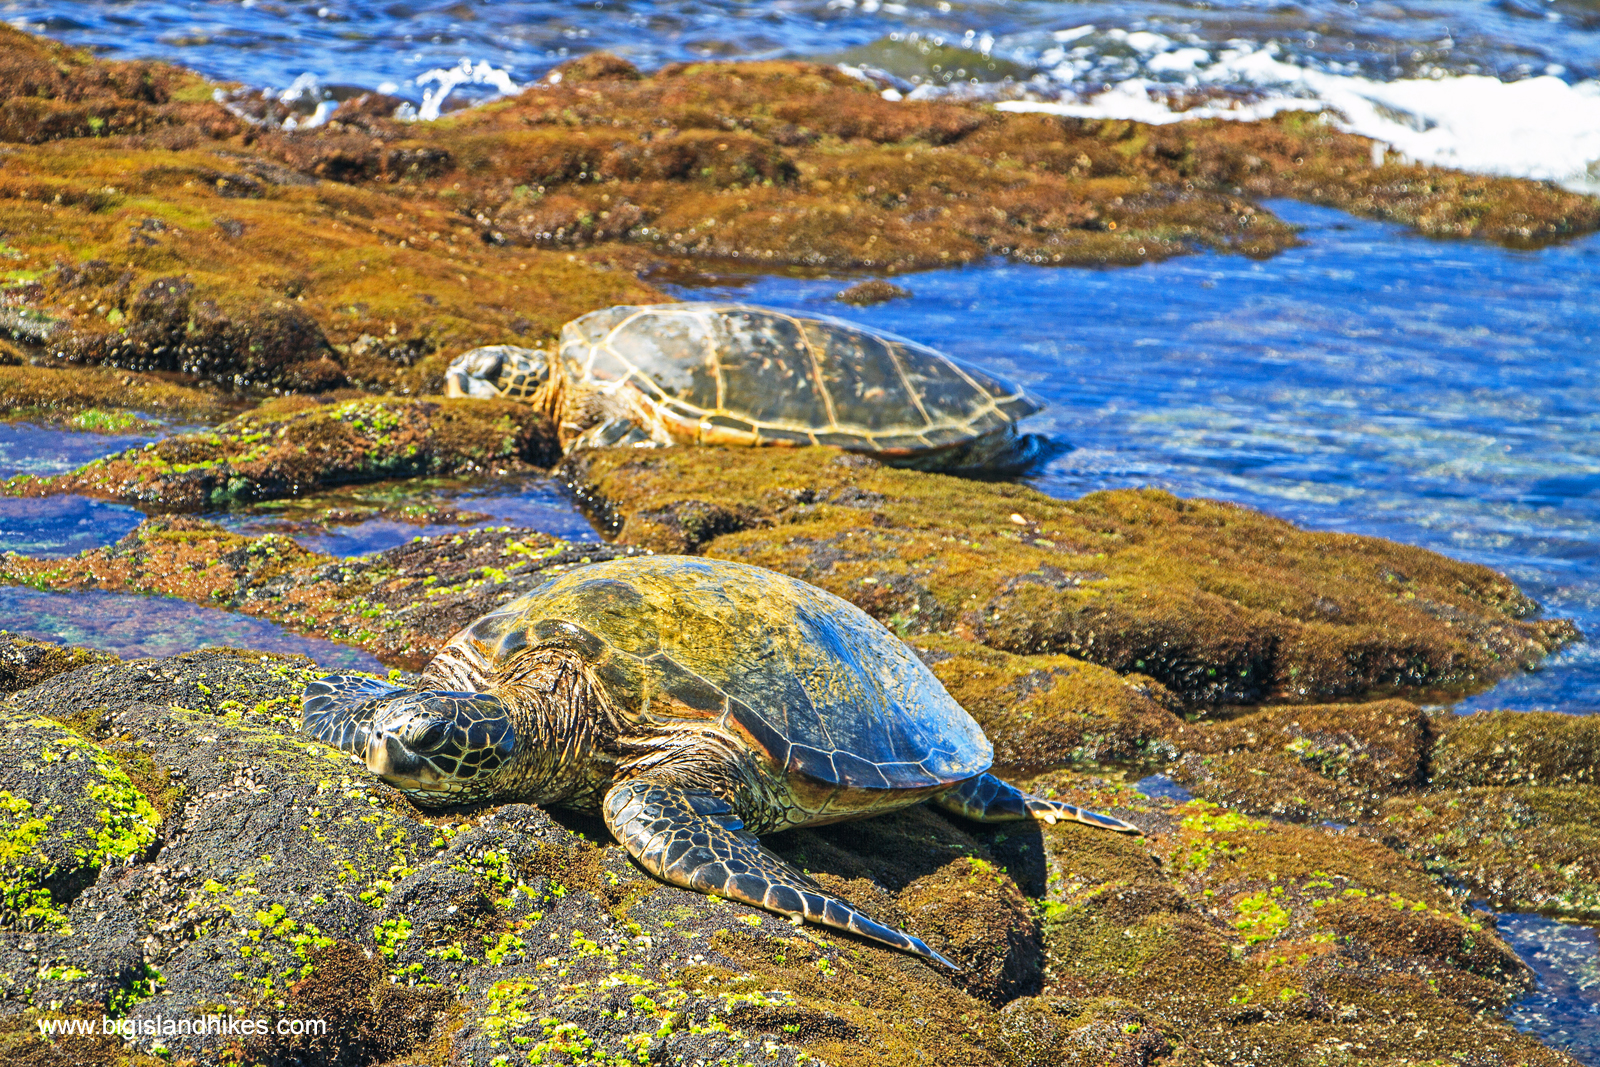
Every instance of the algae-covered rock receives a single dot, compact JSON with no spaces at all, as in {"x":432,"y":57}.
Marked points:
{"x":1043,"y":712}
{"x":1333,"y":761}
{"x":96,"y":399}
{"x":1216,"y":602}
{"x":285,"y":882}
{"x":1517,"y":748}
{"x":1270,"y":941}
{"x":401,"y":604}
{"x":68,"y":811}
{"x":296,"y":446}
{"x":1525,"y":847}
{"x":24,"y":662}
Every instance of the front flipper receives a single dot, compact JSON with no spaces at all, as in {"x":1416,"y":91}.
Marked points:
{"x":693,"y":839}
{"x":338,"y":710}
{"x":988,"y":799}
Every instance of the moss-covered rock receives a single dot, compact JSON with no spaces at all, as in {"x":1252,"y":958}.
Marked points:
{"x":1333,"y":761}
{"x":1043,"y":712}
{"x":1528,"y":847}
{"x":1517,"y":748}
{"x":24,"y":662}
{"x":105,"y":400}
{"x":1270,"y":941}
{"x":401,"y":604}
{"x":1216,"y":602}
{"x":297,"y":445}
{"x":148,"y":227}
{"x":67,"y":810}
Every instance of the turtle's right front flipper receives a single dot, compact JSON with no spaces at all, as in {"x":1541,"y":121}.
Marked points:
{"x":338,"y":710}
{"x":693,"y":839}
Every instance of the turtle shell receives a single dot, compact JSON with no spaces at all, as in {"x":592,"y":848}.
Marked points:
{"x":736,"y":374}
{"x":804,"y":678}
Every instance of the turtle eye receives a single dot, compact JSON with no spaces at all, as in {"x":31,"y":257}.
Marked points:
{"x":431,"y":738}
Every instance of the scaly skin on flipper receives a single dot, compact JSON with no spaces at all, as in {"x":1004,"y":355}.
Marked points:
{"x":988,"y":799}
{"x":693,"y":839}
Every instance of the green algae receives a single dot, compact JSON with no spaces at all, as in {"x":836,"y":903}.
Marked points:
{"x":290,"y":448}
{"x":68,"y":810}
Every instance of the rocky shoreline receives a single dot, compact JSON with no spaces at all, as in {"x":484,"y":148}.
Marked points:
{"x":174,"y":848}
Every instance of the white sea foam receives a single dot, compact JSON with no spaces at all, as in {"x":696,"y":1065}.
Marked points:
{"x":464,"y":73}
{"x":1541,"y":127}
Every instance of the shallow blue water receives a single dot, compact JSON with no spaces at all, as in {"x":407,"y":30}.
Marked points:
{"x":1565,"y":1008}
{"x":1444,"y":394}
{"x":58,"y":526}
{"x":29,"y":449}
{"x":134,"y":626}
{"x":535,"y":503}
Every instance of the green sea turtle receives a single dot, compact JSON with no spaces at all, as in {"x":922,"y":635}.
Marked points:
{"x":733,"y":374}
{"x":691,"y":704}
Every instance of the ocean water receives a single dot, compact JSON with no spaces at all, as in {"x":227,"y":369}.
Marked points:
{"x":133,"y":626}
{"x":1445,"y":394}
{"x":358,"y":519}
{"x":1507,"y":86}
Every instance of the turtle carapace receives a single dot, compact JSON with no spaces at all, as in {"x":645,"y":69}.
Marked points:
{"x":692,"y":704}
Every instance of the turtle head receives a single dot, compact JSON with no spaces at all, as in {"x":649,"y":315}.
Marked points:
{"x":437,"y":747}
{"x":440,"y":747}
{"x":500,"y":371}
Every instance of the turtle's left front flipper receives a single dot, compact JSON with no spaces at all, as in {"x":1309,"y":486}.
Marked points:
{"x":692,"y":838}
{"x":988,"y":799}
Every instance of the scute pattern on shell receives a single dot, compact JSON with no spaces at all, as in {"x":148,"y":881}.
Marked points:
{"x":800,"y":674}
{"x":735,"y":374}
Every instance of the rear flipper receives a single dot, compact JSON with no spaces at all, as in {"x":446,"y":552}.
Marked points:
{"x":988,"y":799}
{"x":693,"y":839}
{"x":338,"y":710}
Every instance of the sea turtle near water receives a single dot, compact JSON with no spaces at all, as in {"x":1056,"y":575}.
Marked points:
{"x":691,"y":704}
{"x":733,"y":374}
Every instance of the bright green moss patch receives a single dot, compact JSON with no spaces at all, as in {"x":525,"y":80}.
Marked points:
{"x":66,"y":810}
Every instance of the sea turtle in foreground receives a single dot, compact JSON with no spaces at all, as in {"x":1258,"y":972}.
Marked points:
{"x":692,"y":704}
{"x":733,"y":374}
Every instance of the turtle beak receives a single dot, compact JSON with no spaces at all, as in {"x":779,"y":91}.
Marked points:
{"x":394,"y":763}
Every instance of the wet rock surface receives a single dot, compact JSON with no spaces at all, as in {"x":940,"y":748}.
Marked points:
{"x":1219,"y":604}
{"x":297,"y":445}
{"x":278,"y":880}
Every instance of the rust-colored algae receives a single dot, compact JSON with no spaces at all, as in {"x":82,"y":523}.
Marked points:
{"x":85,"y":397}
{"x":147,"y":227}
{"x":1218,"y":603}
